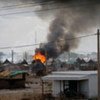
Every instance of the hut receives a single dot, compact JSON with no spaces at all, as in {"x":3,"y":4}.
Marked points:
{"x":74,"y":83}
{"x":7,"y":62}
{"x":24,"y":62}
{"x":13,"y":79}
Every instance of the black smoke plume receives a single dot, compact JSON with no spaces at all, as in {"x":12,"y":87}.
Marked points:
{"x":73,"y":17}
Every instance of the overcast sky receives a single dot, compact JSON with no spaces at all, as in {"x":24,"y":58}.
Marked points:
{"x":29,"y":28}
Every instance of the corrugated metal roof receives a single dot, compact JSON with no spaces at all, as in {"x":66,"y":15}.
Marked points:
{"x":75,"y":72}
{"x":65,"y":77}
{"x":14,"y":73}
{"x":69,"y":75}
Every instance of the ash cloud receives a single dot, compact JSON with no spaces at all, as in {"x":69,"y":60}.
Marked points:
{"x":72,"y":18}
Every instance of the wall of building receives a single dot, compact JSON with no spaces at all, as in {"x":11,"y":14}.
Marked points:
{"x":57,"y":87}
{"x":93,"y":86}
{"x":84,"y":87}
{"x":12,"y":83}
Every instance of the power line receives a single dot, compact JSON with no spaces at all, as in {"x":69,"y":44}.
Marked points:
{"x":82,"y":36}
{"x":31,"y":45}
{"x":21,"y":46}
{"x":24,"y":5}
{"x":42,"y":10}
{"x":42,"y":3}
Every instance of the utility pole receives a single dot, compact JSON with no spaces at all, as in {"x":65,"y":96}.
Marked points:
{"x":98,"y":61}
{"x":12,"y":55}
{"x":25,"y":56}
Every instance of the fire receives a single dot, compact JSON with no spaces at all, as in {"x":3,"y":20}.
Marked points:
{"x":39,"y":56}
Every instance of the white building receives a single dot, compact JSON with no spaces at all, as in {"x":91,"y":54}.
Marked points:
{"x":83,"y":82}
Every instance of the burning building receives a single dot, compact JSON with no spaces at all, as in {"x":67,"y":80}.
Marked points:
{"x":70,"y":18}
{"x":39,"y":56}
{"x":38,"y":64}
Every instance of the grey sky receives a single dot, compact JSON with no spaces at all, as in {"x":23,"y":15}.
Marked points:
{"x":21,"y":29}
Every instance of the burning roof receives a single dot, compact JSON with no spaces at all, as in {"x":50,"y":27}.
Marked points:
{"x":39,"y":56}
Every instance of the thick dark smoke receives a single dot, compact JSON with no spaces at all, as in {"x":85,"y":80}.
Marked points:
{"x":60,"y":39}
{"x":72,"y":18}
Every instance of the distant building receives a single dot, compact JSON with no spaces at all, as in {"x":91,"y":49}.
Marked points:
{"x":92,"y":64}
{"x":85,"y":65}
{"x":73,"y":83}
{"x":7,"y":62}
{"x":24,"y":62}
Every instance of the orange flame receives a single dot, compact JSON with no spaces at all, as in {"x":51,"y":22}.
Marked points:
{"x":39,"y":56}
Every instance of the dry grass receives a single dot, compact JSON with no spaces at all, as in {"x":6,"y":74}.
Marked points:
{"x":19,"y":95}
